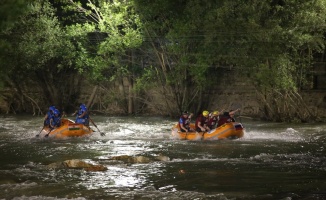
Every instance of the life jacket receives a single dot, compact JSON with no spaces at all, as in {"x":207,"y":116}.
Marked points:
{"x":56,"y":119}
{"x":185,"y":122}
{"x":85,"y":118}
{"x":212,"y":121}
{"x":203,"y":121}
{"x":48,"y":118}
{"x":225,"y":118}
{"x":187,"y":125}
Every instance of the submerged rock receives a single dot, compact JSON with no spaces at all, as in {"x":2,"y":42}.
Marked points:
{"x":57,"y":165}
{"x":96,"y":168}
{"x":140,"y":159}
{"x":161,"y":157}
{"x":76,"y":164}
{"x":131,"y":159}
{"x":80,"y":164}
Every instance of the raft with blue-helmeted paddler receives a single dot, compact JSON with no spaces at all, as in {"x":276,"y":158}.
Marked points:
{"x":68,"y":128}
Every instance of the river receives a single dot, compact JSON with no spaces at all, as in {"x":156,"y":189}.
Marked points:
{"x":271,"y":161}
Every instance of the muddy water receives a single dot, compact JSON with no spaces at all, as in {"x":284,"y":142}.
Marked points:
{"x":272,"y":161}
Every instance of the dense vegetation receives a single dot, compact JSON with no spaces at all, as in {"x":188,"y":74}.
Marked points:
{"x":145,"y":55}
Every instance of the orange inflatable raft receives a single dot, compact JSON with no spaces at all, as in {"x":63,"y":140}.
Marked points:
{"x":231,"y":130}
{"x":68,"y":128}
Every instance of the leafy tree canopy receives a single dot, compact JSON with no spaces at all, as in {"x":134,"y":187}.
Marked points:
{"x":113,"y":27}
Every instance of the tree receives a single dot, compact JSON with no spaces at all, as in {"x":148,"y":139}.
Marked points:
{"x":175,"y":38}
{"x":271,"y":42}
{"x":40,"y":54}
{"x":120,"y":30}
{"x":10,"y":10}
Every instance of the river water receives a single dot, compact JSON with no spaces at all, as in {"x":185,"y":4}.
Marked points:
{"x":271,"y":161}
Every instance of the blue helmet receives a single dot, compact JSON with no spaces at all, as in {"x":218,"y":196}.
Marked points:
{"x":83,"y":107}
{"x":52,"y":108}
{"x":56,"y":112}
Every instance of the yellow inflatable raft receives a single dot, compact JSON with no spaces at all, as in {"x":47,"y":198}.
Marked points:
{"x":231,"y":130}
{"x":68,"y":128}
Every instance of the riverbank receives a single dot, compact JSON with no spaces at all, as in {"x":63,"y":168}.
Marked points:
{"x":114,"y":100}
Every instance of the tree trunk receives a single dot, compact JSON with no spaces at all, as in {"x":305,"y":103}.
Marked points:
{"x":91,"y":98}
{"x":130,"y":96}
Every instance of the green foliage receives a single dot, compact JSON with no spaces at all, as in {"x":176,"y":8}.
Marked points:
{"x":183,"y":41}
{"x":147,"y":79}
{"x":39,"y":53}
{"x":43,"y":37}
{"x":10,"y":11}
{"x":271,"y":42}
{"x":175,"y":37}
{"x":265,"y":35}
{"x":120,"y":30}
{"x":36,"y":42}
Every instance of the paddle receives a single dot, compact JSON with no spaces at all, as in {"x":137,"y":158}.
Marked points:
{"x":240,"y":116}
{"x":206,"y":131}
{"x":47,"y":135}
{"x":39,"y":132}
{"x":246,"y":117}
{"x":186,"y":135}
{"x":202,"y":136}
{"x":101,"y":133}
